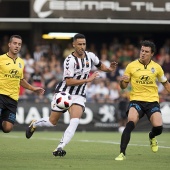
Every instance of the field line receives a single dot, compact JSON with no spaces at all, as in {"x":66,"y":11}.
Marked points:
{"x":85,"y":141}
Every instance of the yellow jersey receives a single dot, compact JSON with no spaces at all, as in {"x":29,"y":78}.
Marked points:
{"x":11,"y":72}
{"x":143,"y":79}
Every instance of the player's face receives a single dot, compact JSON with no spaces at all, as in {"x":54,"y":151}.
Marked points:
{"x":15,"y":45}
{"x":145,"y":54}
{"x":80,"y":46}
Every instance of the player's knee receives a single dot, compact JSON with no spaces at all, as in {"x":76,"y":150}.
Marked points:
{"x":157,"y":130}
{"x":6,"y":129}
{"x":53,"y":121}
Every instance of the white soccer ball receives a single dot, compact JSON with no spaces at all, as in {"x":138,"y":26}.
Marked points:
{"x":63,"y":100}
{"x":121,"y":129}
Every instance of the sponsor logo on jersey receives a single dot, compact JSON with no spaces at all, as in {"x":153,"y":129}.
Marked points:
{"x":13,"y":74}
{"x":144,"y":79}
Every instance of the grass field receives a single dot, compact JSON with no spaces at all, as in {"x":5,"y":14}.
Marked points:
{"x":86,"y":151}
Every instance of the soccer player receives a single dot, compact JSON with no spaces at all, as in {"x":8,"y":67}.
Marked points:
{"x":144,"y":99}
{"x":11,"y":77}
{"x":77,"y":67}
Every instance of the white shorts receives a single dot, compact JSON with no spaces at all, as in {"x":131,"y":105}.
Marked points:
{"x":76,"y":99}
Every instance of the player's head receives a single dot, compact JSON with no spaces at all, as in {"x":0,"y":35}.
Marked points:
{"x":15,"y":43}
{"x":147,"y":51}
{"x":79,"y":44}
{"x":147,"y":43}
{"x":15,"y":36}
{"x":78,"y":36}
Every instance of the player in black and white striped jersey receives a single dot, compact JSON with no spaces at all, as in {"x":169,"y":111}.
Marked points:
{"x":77,"y":67}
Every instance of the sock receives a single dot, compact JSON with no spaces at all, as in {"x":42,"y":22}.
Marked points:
{"x":155,"y":131}
{"x":69,"y":132}
{"x":43,"y":122}
{"x":126,"y":136}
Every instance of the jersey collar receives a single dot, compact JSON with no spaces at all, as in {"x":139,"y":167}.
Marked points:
{"x":11,"y":57}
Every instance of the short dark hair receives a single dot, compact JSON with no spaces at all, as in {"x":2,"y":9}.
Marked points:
{"x":77,"y":36}
{"x":150,"y":44}
{"x":14,"y":36}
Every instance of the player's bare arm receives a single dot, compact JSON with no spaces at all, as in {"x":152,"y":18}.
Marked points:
{"x":76,"y":82}
{"x":113,"y":66}
{"x":28,"y":86}
{"x":124,"y":80}
{"x":166,"y":86}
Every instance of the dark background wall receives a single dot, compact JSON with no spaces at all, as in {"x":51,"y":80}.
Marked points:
{"x":95,"y":32}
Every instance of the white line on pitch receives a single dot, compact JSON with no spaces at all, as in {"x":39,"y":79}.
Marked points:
{"x":87,"y":141}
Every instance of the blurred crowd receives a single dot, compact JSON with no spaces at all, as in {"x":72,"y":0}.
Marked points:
{"x":44,"y":67}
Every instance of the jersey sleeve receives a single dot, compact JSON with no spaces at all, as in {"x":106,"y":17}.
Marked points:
{"x":69,"y":64}
{"x":95,"y":59}
{"x":161,"y":77}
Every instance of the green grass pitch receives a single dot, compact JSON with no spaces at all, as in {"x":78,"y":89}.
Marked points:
{"x":86,"y":151}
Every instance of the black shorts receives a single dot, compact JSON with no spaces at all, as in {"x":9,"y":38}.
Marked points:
{"x":8,"y":108}
{"x":143,"y":108}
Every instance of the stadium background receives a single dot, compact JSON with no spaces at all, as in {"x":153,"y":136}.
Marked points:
{"x":124,"y":21}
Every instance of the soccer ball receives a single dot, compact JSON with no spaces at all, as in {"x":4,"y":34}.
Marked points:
{"x":63,"y":100}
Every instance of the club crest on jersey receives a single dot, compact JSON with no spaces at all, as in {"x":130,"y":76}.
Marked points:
{"x":20,"y":66}
{"x":152,"y":70}
{"x":87,"y":63}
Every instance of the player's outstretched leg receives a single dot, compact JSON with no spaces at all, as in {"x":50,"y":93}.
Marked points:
{"x":30,"y":130}
{"x":59,"y":152}
{"x":68,"y":134}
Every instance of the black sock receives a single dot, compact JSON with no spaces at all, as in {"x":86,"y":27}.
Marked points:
{"x":126,"y":136}
{"x":155,"y":131}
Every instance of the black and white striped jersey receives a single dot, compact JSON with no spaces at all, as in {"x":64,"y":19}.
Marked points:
{"x":77,"y":68}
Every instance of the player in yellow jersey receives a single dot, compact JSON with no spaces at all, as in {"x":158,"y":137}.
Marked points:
{"x":11,"y":77}
{"x":142,"y":74}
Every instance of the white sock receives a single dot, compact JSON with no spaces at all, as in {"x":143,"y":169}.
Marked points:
{"x":69,"y":132}
{"x":43,"y":122}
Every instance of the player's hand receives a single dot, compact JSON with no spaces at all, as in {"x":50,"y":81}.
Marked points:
{"x":39,"y":90}
{"x":125,"y":78}
{"x":113,"y":66}
{"x":93,"y":76}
